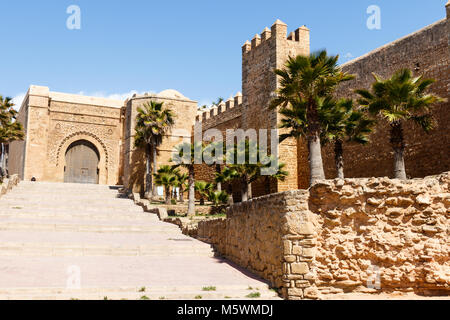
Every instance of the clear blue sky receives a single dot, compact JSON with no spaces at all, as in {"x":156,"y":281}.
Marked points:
{"x":191,"y":46}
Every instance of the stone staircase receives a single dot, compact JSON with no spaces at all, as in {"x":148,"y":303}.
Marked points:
{"x":54,"y":235}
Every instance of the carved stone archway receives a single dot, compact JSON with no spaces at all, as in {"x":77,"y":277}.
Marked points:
{"x":97,"y":142}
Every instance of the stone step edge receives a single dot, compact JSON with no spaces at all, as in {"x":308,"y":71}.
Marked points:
{"x":136,"y":289}
{"x":81,"y":228}
{"x":92,"y":217}
{"x":31,"y":251}
{"x":157,"y":296}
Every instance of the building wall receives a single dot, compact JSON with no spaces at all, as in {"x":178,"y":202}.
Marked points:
{"x":259,"y":58}
{"x":227,"y":115}
{"x":16,"y":157}
{"x":185,"y":111}
{"x":70,"y":122}
{"x":266,"y":52}
{"x":55,"y":120}
{"x":427,"y":53}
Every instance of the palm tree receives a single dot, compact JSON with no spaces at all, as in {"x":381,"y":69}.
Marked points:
{"x":10,"y":129}
{"x":218,"y":101}
{"x":280,"y":175}
{"x":184,"y":156}
{"x":217,"y":159}
{"x":399,"y":99}
{"x":226,"y":176}
{"x":304,"y":81}
{"x":182,"y":178}
{"x":248,"y":172}
{"x":341,"y":121}
{"x":153,"y":122}
{"x":203,"y":188}
{"x":166,"y":177}
{"x":218,"y":198}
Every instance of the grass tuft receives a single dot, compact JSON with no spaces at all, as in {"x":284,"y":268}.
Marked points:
{"x":253,"y":295}
{"x":210,"y":288}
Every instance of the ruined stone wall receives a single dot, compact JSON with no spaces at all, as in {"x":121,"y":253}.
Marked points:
{"x":426,"y":52}
{"x":339,"y":236}
{"x":267,"y":235}
{"x":377,"y":226}
{"x":8,"y":184}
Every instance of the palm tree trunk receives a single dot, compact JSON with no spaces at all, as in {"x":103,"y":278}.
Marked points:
{"x":181,"y":195}
{"x":148,"y":174}
{"x":219,"y":185}
{"x":5,"y":159}
{"x":1,"y":161}
{"x":173,"y":194}
{"x":314,"y":147}
{"x":191,"y":196}
{"x":168,"y":195}
{"x":398,"y":144}
{"x":230,"y":193}
{"x":202,"y":200}
{"x":155,"y":168}
{"x":339,"y":158}
{"x":245,"y":190}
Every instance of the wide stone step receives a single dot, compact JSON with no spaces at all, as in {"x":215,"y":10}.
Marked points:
{"x":48,"y":230}
{"x":83,"y":226}
{"x":168,"y":236}
{"x":72,"y":250}
{"x":122,"y":271}
{"x":69,"y":215}
{"x":154,"y":295}
{"x":237,"y":292}
{"x":68,"y":199}
{"x":69,"y":202}
{"x":62,"y":208}
{"x":56,"y":185}
{"x":55,"y":194}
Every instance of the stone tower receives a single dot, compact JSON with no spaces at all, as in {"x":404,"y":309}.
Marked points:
{"x":260,"y":57}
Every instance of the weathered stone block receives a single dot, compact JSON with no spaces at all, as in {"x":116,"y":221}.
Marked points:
{"x":299,"y":268}
{"x":297,"y":250}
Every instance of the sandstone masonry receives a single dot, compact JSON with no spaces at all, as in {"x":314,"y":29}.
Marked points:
{"x":372,"y":235}
{"x":54,"y":121}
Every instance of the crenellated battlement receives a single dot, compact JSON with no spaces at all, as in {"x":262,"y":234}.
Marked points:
{"x":223,"y":107}
{"x":278,"y":31}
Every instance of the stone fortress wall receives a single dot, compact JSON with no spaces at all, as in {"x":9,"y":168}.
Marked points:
{"x":250,"y":111}
{"x":54,"y":120}
{"x":373,"y":235}
{"x":426,"y":52}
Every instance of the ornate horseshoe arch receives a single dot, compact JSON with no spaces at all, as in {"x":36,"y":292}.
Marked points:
{"x":96,"y":141}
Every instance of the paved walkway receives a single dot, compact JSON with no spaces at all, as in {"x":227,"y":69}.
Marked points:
{"x":72,"y":241}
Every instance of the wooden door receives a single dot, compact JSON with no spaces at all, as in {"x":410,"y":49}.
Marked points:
{"x":82,"y":160}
